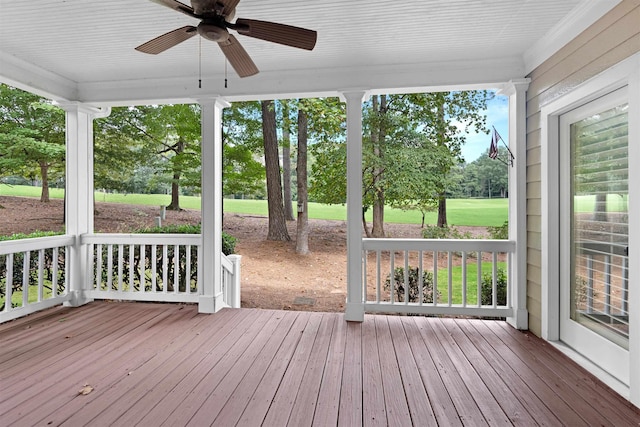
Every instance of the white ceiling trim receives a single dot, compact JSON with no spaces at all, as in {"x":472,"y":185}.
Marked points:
{"x":580,"y":18}
{"x":26,"y":76}
{"x":481,"y":74}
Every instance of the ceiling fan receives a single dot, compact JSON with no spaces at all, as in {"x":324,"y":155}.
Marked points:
{"x":215,"y":17}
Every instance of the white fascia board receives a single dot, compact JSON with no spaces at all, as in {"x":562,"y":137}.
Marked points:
{"x":26,"y":76}
{"x":405,"y":78}
{"x":580,"y":18}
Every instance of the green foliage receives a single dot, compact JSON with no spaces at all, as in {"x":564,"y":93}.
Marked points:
{"x":413,"y":280}
{"x":228,"y":241}
{"x":500,"y":232}
{"x":485,"y":177}
{"x":20,"y":236}
{"x":33,"y":268}
{"x":501,"y":288}
{"x":32,"y":136}
{"x":435,"y":232}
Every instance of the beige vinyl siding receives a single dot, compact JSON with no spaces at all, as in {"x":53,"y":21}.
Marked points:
{"x":611,"y":39}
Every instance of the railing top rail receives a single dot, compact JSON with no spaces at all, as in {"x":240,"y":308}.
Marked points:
{"x":36,"y":243}
{"x":468,"y":245}
{"x":141,"y":239}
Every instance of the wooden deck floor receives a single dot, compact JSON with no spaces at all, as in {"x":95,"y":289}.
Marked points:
{"x":164,"y":364}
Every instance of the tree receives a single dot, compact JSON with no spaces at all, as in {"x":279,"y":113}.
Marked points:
{"x":120,"y":152}
{"x":277,"y":221}
{"x":242,"y":173}
{"x":425,"y":131}
{"x":451,"y":115}
{"x":32,"y":136}
{"x":302,"y":230}
{"x":286,"y":160}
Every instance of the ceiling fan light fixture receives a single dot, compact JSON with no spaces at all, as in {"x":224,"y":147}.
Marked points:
{"x":213,"y":32}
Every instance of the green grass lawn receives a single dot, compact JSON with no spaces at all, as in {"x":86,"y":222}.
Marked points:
{"x":456,"y":287}
{"x":470,"y":212}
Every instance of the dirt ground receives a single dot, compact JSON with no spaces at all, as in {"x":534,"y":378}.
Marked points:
{"x":273,"y":275}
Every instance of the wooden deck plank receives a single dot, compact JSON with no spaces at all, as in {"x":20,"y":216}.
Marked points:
{"x":261,"y":383}
{"x":42,"y":339}
{"x":582,"y":382}
{"x":242,"y":324}
{"x":350,"y":412}
{"x":521,"y":390}
{"x":415,"y":392}
{"x":441,"y":404}
{"x":328,"y":404}
{"x":481,"y":394}
{"x":527,"y":367}
{"x":549,"y":368}
{"x":307,"y":399}
{"x":514,"y":409}
{"x":465,"y":405}
{"x":282,"y":403}
{"x":201,"y":391}
{"x":373,"y":404}
{"x":120,"y":379}
{"x":63,"y":374}
{"x":165,"y":364}
{"x":147,"y":399}
{"x":395,"y":402}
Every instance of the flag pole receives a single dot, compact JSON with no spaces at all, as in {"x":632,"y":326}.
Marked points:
{"x":497,"y":136}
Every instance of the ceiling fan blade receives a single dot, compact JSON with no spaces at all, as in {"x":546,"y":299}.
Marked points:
{"x":238,"y":57}
{"x":168,"y":40}
{"x":276,"y":33}
{"x":176,"y":5}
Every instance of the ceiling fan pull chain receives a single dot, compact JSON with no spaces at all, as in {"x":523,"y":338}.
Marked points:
{"x":199,"y":63}
{"x":225,"y":72}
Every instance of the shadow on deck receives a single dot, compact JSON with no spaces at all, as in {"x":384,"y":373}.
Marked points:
{"x":164,"y":364}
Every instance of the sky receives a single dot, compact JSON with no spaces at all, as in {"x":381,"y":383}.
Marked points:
{"x":497,"y":115}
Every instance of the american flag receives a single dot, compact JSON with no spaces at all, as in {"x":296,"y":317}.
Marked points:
{"x":493,"y":148}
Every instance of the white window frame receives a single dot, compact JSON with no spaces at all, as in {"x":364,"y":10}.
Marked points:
{"x":625,"y":73}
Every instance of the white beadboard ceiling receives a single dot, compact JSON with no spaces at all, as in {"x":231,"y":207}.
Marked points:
{"x":83,"y":50}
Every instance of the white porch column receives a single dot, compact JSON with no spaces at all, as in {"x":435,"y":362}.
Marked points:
{"x":354,"y":310}
{"x":212,"y":299}
{"x":79,"y":192}
{"x":517,"y":92}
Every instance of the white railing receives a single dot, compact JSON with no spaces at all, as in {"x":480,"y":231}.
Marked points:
{"x":459,"y":277}
{"x":153,"y":267}
{"x":144,"y":267}
{"x":33,"y":275}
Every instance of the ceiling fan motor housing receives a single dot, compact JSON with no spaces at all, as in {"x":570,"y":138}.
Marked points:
{"x":213,"y":32}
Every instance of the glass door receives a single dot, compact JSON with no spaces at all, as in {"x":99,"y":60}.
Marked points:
{"x":594,"y":232}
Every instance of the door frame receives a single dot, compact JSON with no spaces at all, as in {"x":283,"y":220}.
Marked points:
{"x":625,"y":73}
{"x":609,"y":356}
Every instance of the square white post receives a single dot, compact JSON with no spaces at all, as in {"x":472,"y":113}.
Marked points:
{"x":354,"y":310}
{"x":212,"y":299}
{"x":517,"y":92}
{"x":79,"y":202}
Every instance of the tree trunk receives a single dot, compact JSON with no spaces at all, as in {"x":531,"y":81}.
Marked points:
{"x":175,"y":182}
{"x":175,"y":193}
{"x":600,"y":208}
{"x":277,"y":222}
{"x":442,"y":211}
{"x":442,"y":197}
{"x":44,"y":174}
{"x":286,"y":163}
{"x":377,"y":139}
{"x":302,"y":231}
{"x":364,"y":224}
